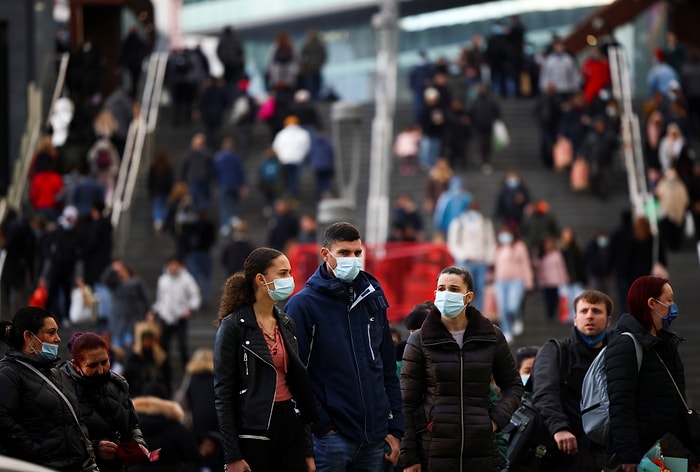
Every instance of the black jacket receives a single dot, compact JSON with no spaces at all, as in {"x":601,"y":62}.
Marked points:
{"x":35,"y":423}
{"x":643,"y":405}
{"x":558,"y":401}
{"x":245,"y":379}
{"x":107,"y":411}
{"x":445,"y":391}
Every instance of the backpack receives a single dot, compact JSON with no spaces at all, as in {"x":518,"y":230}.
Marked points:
{"x":595,"y":404}
{"x":530,"y":445}
{"x":103,"y":159}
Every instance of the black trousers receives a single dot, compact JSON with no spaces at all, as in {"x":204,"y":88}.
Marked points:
{"x":280,"y":448}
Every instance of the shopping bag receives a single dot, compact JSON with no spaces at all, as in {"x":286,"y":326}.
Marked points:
{"x":562,"y":153}
{"x":667,"y":454}
{"x":501,"y":138}
{"x":564,"y":311}
{"x":82,"y":302}
{"x":578,"y":178}
{"x":267,"y":109}
{"x":39,"y":296}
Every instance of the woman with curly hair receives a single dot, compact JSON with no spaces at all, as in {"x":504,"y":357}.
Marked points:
{"x":263,"y":397}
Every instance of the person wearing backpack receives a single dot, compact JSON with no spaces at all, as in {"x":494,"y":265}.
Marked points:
{"x":645,"y":404}
{"x":557,"y":389}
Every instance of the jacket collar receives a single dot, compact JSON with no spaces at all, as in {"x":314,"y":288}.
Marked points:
{"x":245,"y":316}
{"x":434,"y":330}
{"x":630,"y":323}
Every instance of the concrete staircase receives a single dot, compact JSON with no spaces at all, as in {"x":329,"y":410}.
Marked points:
{"x":583,"y":212}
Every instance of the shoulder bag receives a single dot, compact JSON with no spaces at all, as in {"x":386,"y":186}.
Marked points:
{"x":90,"y":464}
{"x":692,"y":417}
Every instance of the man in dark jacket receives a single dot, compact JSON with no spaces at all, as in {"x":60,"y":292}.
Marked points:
{"x":558,"y":400}
{"x":313,"y":57}
{"x":483,"y":112}
{"x":341,"y":313}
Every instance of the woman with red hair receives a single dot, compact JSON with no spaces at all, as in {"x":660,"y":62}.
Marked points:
{"x":644,"y":402}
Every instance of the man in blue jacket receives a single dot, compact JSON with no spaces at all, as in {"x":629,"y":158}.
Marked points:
{"x":345,"y":341}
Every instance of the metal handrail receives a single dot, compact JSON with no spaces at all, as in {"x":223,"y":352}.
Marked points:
{"x":631,"y":134}
{"x":142,"y":126}
{"x":60,"y":82}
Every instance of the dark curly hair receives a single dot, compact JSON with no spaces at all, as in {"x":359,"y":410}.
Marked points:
{"x":239,"y":289}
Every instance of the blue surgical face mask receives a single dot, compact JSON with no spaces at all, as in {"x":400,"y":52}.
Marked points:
{"x":283,"y":288}
{"x":450,"y":304}
{"x":346,"y":268}
{"x":512,"y":182}
{"x":591,"y":340}
{"x":505,"y":238}
{"x":524,"y":378}
{"x":49,"y":352}
{"x":672,"y":314}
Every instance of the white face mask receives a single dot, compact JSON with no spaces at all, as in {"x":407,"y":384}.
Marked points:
{"x":346,"y":268}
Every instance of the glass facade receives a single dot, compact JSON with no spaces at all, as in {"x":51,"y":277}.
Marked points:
{"x":351,"y":40}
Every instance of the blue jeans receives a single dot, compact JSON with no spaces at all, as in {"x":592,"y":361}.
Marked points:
{"x":572,"y":291}
{"x":228,"y":205}
{"x":478,"y":272}
{"x":200,"y":192}
{"x":159,"y":208}
{"x":429,"y":151}
{"x":199,"y":264}
{"x":509,"y":298}
{"x":338,"y":453}
{"x":291,"y":173}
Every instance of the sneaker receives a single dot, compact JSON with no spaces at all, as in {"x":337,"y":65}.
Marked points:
{"x":518,"y":328}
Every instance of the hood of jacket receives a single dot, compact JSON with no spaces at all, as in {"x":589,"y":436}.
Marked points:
{"x":155,"y":406}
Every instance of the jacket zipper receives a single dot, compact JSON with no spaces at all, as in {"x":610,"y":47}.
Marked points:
{"x":245,"y":361}
{"x":369,"y":340}
{"x":269,"y":419}
{"x":461,"y":408}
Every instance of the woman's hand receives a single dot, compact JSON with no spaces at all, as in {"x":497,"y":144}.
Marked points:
{"x":629,"y":467}
{"x":310,"y":464}
{"x":413,"y":468}
{"x":237,"y":466}
{"x":106,"y":450}
{"x":144,"y":449}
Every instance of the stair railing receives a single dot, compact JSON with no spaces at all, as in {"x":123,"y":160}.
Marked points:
{"x":631,"y":134}
{"x":18,"y":186}
{"x":139,"y":138}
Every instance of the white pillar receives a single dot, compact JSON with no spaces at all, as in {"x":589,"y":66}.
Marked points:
{"x":386,"y":23}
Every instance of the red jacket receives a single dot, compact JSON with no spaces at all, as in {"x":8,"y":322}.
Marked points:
{"x":596,"y":76}
{"x":44,"y":188}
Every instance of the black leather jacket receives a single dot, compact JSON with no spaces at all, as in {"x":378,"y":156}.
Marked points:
{"x":245,"y":378}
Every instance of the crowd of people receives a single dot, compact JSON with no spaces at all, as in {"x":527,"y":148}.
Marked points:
{"x":280,"y":388}
{"x":317,"y":386}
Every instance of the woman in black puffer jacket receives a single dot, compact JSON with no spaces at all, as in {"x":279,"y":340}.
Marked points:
{"x":447,"y":370}
{"x":36,"y":424}
{"x":644,"y":403}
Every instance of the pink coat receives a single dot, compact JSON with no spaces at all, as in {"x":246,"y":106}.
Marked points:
{"x":511,"y":262}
